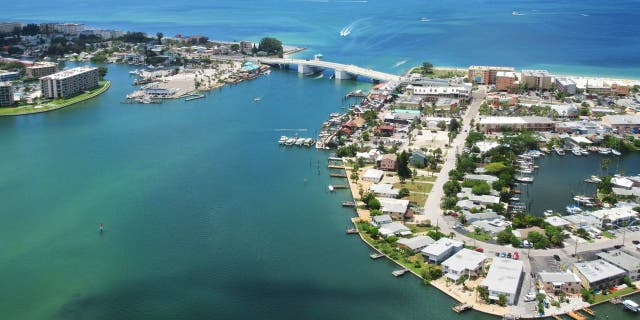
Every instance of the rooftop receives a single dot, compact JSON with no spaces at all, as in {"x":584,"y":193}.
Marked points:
{"x":416,"y":242}
{"x":535,"y":73}
{"x":394,"y":228}
{"x":441,"y":246}
{"x":504,"y":275}
{"x":614,"y":214}
{"x":384,"y":188}
{"x":558,"y":277}
{"x":594,"y":271}
{"x":393,"y":205}
{"x":465,"y":259}
{"x":69,"y":73}
{"x":373,"y":174}
{"x":621,"y":259}
{"x":382,"y":219}
{"x":557,"y":221}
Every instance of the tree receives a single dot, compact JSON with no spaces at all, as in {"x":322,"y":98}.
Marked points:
{"x":271,"y":46}
{"x":427,"y":68}
{"x":502,"y":299}
{"x":235,"y":47}
{"x":454,"y":126}
{"x":403,"y":193}
{"x":403,"y":166}
{"x":451,"y":188}
{"x":373,"y":204}
{"x":483,"y":292}
{"x":442,"y":125}
{"x":102,"y":72}
{"x":604,"y":165}
{"x":159,"y":36}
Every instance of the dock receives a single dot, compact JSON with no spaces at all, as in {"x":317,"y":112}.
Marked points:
{"x":556,"y":317}
{"x":348,"y":204}
{"x":340,"y":186}
{"x":398,"y":273}
{"x":462,"y":307}
{"x":576,"y":315}
{"x":338,"y":175}
{"x":352,"y":231}
{"x":589,"y":311}
{"x":334,"y":159}
{"x":333,"y":166}
{"x":193,"y":97}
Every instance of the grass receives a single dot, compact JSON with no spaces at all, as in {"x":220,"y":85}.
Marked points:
{"x":419,"y":199}
{"x":56,"y":104}
{"x":600,"y":298}
{"x":413,"y":186}
{"x":425,"y":178}
{"x":417,"y":229}
{"x":608,"y":235}
{"x":442,"y":72}
{"x":481,"y":236}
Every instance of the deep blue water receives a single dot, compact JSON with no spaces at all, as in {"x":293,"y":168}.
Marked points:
{"x":581,"y":37}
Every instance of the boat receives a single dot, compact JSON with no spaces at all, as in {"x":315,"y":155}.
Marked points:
{"x":514,"y":199}
{"x":331,"y":188}
{"x":424,"y":20}
{"x":516,"y":13}
{"x":548,"y":213}
{"x":400,"y":272}
{"x":256,"y":99}
{"x":559,"y":151}
{"x":631,"y":305}
{"x":290,"y":141}
{"x":584,"y":152}
{"x":299,"y":141}
{"x":308,"y":142}
{"x":283,"y":139}
{"x":604,"y":150}
{"x":348,"y":204}
{"x":576,"y":151}
{"x":376,"y":255}
{"x":524,"y":178}
{"x":615,"y":152}
{"x":573,"y":209}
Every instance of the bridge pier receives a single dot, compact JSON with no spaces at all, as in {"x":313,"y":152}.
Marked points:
{"x":306,"y":69}
{"x":343,"y":75}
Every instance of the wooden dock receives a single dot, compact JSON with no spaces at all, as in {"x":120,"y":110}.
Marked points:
{"x":352,"y":231}
{"x":462,"y":307}
{"x":556,"y":317}
{"x":338,"y":175}
{"x":340,"y":186}
{"x":576,"y":315}
{"x":333,"y":166}
{"x":589,"y":311}
{"x":348,"y":204}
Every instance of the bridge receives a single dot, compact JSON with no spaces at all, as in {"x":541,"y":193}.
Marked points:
{"x":341,"y":71}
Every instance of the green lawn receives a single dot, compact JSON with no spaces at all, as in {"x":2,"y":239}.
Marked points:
{"x":55,"y":104}
{"x":426,"y":178}
{"x":600,"y":298}
{"x":414,"y":186}
{"x":481,"y":236}
{"x":608,"y":235}
{"x":419,"y":199}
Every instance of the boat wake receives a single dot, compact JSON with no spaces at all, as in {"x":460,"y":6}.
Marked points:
{"x":319,"y":76}
{"x":399,"y":63}
{"x":291,"y":130}
{"x":346,"y":30}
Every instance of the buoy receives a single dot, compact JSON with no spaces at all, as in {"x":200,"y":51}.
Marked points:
{"x":101,"y":227}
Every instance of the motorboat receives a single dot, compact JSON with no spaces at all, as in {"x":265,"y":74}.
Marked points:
{"x":615,"y":152}
{"x":300,"y":141}
{"x":290,"y":141}
{"x":283,"y":139}
{"x":522,"y":178}
{"x":584,"y":152}
{"x":573,"y":209}
{"x":331,"y":188}
{"x":631,"y":305}
{"x":604,"y":150}
{"x":576,"y":151}
{"x":548,"y":213}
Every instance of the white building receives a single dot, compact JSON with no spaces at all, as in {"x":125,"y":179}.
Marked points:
{"x":630,"y":264}
{"x":598,"y":274}
{"x":69,"y":82}
{"x":70,"y":28}
{"x":384,"y":190}
{"x":615,"y":216}
{"x":440,"y":250}
{"x":557,"y":221}
{"x":395,"y":207}
{"x":504,"y":278}
{"x":464,"y":263}
{"x":416,"y":243}
{"x":380,"y":220}
{"x":394,"y":229}
{"x":373,"y":175}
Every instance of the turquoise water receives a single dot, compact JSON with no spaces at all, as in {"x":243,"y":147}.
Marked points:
{"x":559,"y":177}
{"x":581,"y":37}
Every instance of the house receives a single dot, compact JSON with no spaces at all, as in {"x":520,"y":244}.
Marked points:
{"x":372,"y":175}
{"x":598,"y":274}
{"x":441,"y":250}
{"x":628,"y":123}
{"x":616,"y":216}
{"x":378,"y":221}
{"x":558,"y":282}
{"x":418,"y":158}
{"x":416,"y":243}
{"x":557,"y":221}
{"x":385,"y":130}
{"x":369,"y":156}
{"x":395,"y":207}
{"x":622,"y":182}
{"x":394,"y":229}
{"x":484,"y":177}
{"x":504,"y":279}
{"x":630,"y":264}
{"x":384,"y":190}
{"x":464,"y":263}
{"x":387,"y":162}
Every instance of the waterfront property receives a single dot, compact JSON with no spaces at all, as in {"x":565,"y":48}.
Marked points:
{"x":397,"y":208}
{"x":558,"y":282}
{"x":504,"y":279}
{"x":394,"y":229}
{"x":486,"y":74}
{"x":373,"y":175}
{"x":627,"y":123}
{"x":598,"y":274}
{"x":69,"y":82}
{"x":416,"y":243}
{"x":623,"y":260}
{"x":384,"y":190}
{"x":6,"y":94}
{"x":41,"y":69}
{"x":533,"y":123}
{"x":9,"y":75}
{"x":463,"y":263}
{"x":378,"y":221}
{"x":536,"y":79}
{"x":441,"y":250}
{"x":615,"y":216}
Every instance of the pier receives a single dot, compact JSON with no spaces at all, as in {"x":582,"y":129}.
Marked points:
{"x":462,"y":307}
{"x":338,"y":175}
{"x":576,"y":315}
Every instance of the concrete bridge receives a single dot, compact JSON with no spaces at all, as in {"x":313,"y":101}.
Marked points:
{"x":341,"y":71}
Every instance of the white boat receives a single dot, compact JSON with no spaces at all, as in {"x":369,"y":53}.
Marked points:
{"x":615,"y":152}
{"x":331,"y":188}
{"x":604,"y":150}
{"x":584,"y":152}
{"x":516,"y":13}
{"x":308,"y":142}
{"x":283,"y":139}
{"x":256,"y":99}
{"x":630,"y":305}
{"x":573,"y":209}
{"x":424,"y":20}
{"x":576,"y":151}
{"x":524,"y":178}
{"x":595,"y":178}
{"x":290,"y":141}
{"x":300,"y":141}
{"x":548,"y":213}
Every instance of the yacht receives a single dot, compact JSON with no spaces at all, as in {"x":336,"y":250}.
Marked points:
{"x":631,"y":305}
{"x":615,"y":152}
{"x":300,"y":141}
{"x":290,"y":141}
{"x":576,"y":151}
{"x":331,"y":188}
{"x":573,"y":209}
{"x":584,"y":152}
{"x":604,"y":150}
{"x":283,"y":139}
{"x":424,"y":20}
{"x":523,"y":178}
{"x":516,"y":13}
{"x":548,"y":213}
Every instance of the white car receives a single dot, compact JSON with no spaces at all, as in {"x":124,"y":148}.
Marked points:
{"x":530,"y":297}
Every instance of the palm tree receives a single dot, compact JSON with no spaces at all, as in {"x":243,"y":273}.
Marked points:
{"x":159,"y":35}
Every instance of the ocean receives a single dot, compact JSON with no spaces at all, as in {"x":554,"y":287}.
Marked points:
{"x":205,"y":215}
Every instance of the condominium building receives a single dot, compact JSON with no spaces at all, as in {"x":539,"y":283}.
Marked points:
{"x":504,"y":279}
{"x":9,"y":75}
{"x":565,"y":85}
{"x":536,"y":79}
{"x":559,"y":282}
{"x":598,"y":274}
{"x":485,"y":74}
{"x":492,"y":124}
{"x":506,"y":80}
{"x":6,"y":94}
{"x":69,"y":28}
{"x":41,"y":69}
{"x":8,"y":27}
{"x":69,"y":82}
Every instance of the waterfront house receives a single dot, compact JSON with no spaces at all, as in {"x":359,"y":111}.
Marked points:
{"x":372,"y":175}
{"x":416,"y":243}
{"x":484,"y":177}
{"x":628,"y":123}
{"x":369,"y":156}
{"x":387,"y":162}
{"x":441,"y":250}
{"x":557,"y":221}
{"x":395,"y":207}
{"x":622,"y":182}
{"x":394,"y":229}
{"x":504,"y":279}
{"x":378,"y":221}
{"x":464,"y":263}
{"x":384,"y":190}
{"x":385,"y":130}
{"x":616,"y":216}
{"x":558,"y":282}
{"x":623,"y":260}
{"x":598,"y":274}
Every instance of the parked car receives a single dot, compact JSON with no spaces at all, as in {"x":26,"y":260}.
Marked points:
{"x":530,"y":297}
{"x":479,"y":250}
{"x":635,"y":242}
{"x":556,"y":257}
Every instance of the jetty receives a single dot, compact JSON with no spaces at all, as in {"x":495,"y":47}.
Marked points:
{"x":338,"y":175}
{"x":576,"y":315}
{"x":340,"y":186}
{"x":190,"y":97}
{"x":348,"y":204}
{"x":589,"y":311}
{"x":462,"y":307}
{"x":351,"y":231}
